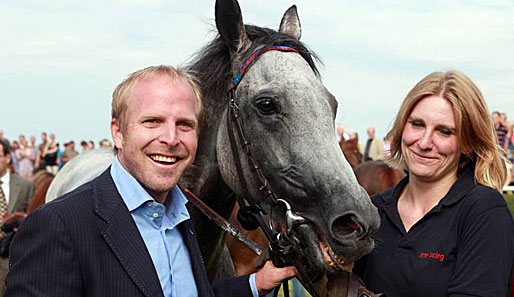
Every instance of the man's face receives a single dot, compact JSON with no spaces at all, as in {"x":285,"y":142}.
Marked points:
{"x":4,"y":161}
{"x":43,"y":137}
{"x":371,"y":132}
{"x":496,"y":119}
{"x":158,"y":138}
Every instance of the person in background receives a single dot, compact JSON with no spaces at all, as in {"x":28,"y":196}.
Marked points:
{"x":445,"y":229}
{"x":34,"y":149}
{"x":49,"y":155}
{"x":69,"y":152}
{"x":128,"y":232}
{"x":15,"y":194}
{"x":387,"y":147}
{"x":91,"y":145}
{"x":25,"y":157}
{"x":15,"y":146}
{"x":374,"y":149}
{"x":500,"y":128}
{"x":104,"y":143}
{"x":3,"y":138}
{"x":84,"y":145}
{"x":40,"y":160}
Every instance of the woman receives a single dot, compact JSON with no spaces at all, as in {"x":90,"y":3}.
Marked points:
{"x":25,"y":157}
{"x":49,"y":154}
{"x":445,"y":229}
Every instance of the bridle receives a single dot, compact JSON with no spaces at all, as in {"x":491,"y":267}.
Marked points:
{"x":281,"y":240}
{"x":236,"y":128}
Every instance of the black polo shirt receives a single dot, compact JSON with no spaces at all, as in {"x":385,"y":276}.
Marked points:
{"x":464,"y":246}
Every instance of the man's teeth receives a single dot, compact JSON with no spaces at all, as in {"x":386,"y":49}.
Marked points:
{"x":159,"y":158}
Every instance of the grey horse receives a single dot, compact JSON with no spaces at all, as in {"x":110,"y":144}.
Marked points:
{"x":288,"y":117}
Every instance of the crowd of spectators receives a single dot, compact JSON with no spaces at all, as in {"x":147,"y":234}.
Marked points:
{"x":30,"y":156}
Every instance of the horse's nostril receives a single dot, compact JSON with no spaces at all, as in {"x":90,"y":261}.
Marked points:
{"x":344,"y":225}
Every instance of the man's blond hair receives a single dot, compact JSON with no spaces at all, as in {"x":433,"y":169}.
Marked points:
{"x":123,"y":91}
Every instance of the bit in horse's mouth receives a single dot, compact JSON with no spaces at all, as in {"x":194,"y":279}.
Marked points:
{"x":333,"y":260}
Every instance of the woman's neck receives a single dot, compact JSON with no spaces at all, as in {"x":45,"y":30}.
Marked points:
{"x":420,"y":196}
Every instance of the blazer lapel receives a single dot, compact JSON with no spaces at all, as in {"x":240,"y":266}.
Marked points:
{"x":203,"y":285}
{"x":14,"y":193}
{"x":123,"y":237}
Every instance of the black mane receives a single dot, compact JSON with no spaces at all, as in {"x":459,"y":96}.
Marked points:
{"x":212,"y":65}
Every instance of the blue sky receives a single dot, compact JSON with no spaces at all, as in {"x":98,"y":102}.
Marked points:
{"x":60,"y":60}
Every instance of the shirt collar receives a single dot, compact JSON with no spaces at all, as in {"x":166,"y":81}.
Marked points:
{"x":6,"y":178}
{"x":459,"y":189}
{"x":134,"y":195}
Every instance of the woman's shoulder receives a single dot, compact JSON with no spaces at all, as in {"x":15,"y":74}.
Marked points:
{"x":381,"y":198}
{"x":482,"y":199}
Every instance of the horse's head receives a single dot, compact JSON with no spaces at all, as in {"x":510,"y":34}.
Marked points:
{"x":288,"y":117}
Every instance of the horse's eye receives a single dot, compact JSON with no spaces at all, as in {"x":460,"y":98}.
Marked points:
{"x":266,"y":106}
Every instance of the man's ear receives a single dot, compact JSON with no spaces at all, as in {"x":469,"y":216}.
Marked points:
{"x":117,"y":134}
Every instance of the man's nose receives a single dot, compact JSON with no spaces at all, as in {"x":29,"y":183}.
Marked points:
{"x":169,"y":135}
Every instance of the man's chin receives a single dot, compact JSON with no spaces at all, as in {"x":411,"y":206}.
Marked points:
{"x":159,"y":191}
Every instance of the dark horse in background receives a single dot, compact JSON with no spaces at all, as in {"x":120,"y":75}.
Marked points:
{"x":288,"y":116}
{"x":374,"y":176}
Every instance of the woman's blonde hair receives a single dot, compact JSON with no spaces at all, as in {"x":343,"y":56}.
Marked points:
{"x":474,"y":127}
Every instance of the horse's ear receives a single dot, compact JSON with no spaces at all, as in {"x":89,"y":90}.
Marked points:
{"x":229,"y":22}
{"x":290,"y":24}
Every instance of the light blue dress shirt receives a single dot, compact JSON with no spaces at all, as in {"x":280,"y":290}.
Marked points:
{"x":156,"y":224}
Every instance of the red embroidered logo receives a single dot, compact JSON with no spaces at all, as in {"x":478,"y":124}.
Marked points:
{"x":433,"y":255}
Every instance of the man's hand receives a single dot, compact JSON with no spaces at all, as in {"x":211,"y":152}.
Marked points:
{"x":270,"y":277}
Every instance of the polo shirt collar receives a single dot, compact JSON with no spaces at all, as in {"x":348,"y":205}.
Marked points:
{"x":459,"y":189}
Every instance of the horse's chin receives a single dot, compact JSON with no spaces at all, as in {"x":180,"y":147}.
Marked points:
{"x":321,"y":258}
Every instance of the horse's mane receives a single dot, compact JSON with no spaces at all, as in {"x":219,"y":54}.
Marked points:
{"x":212,"y":66}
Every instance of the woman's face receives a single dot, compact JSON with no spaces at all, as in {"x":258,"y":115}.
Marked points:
{"x":429,"y":143}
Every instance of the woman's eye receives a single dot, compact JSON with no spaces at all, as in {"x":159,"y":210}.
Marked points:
{"x":416,"y":123}
{"x":267,"y":106}
{"x":446,"y":132}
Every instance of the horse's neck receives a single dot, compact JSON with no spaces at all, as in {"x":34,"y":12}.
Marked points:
{"x":204,"y":179}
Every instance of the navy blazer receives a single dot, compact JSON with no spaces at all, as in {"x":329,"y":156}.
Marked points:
{"x":86,"y":243}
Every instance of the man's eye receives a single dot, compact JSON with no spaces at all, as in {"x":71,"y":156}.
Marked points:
{"x":150,"y":121}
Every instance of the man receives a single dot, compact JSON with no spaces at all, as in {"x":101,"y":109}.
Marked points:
{"x":15,"y":195}
{"x":128,"y":232}
{"x":69,"y":152}
{"x":374,"y":148}
{"x":2,"y":137}
{"x":104,"y":143}
{"x":84,"y":145}
{"x":40,"y":162}
{"x":501,"y":129}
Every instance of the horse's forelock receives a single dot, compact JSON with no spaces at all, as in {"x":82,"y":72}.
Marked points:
{"x":212,"y":63}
